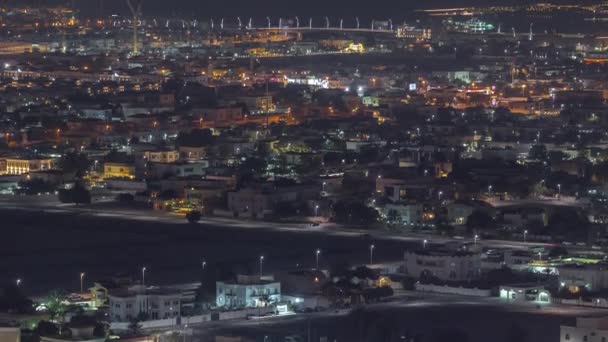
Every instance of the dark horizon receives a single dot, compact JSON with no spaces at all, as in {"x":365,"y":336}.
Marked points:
{"x":262,"y":8}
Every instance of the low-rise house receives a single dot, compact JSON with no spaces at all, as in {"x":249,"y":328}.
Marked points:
{"x":247,"y":291}
{"x":587,"y":329}
{"x":522,"y":293}
{"x":151,"y":302}
{"x":445,"y":265}
{"x":590,"y":277}
{"x":177,"y":169}
{"x":259,"y":201}
{"x":404,"y":214}
{"x":118,"y":170}
{"x":19,"y":166}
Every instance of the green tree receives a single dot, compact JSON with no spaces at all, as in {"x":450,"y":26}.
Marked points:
{"x":193,"y":216}
{"x":479,"y":220}
{"x":76,"y":163}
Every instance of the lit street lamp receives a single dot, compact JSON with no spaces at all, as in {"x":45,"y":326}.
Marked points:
{"x":18,"y":282}
{"x":525,"y":235}
{"x":489,"y":190}
{"x":317,"y":253}
{"x":475,"y":238}
{"x":540,"y":256}
{"x":317,"y":210}
{"x":261,"y":266}
{"x":424,"y":242}
{"x":440,"y":194}
{"x":559,"y":191}
{"x":371,"y":254}
{"x":143,"y":277}
{"x":81,"y":279}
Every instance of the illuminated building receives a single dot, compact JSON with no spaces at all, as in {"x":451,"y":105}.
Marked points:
{"x":157,"y":303}
{"x":161,"y":156}
{"x":472,"y":25}
{"x":411,"y":32}
{"x":588,"y":277}
{"x":11,"y":48}
{"x":118,"y":170}
{"x":23,"y":166}
{"x":405,"y":214}
{"x":443,"y":264}
{"x":247,"y":291}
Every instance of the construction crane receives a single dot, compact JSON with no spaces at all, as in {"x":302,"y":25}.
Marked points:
{"x":135,"y":7}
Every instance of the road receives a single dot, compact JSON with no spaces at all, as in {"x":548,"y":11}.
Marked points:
{"x":404,"y":309}
{"x":104,"y":240}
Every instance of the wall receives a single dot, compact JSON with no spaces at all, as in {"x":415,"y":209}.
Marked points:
{"x":453,"y":290}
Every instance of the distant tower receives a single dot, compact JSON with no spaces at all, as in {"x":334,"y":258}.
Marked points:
{"x":135,"y":7}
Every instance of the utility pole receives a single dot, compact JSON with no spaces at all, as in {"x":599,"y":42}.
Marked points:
{"x":135,"y":7}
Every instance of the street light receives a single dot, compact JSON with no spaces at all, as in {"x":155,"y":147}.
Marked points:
{"x":261,"y":266}
{"x":525,"y":235}
{"x":317,"y":253}
{"x":143,"y":277}
{"x":559,"y":191}
{"x":371,"y":254}
{"x":475,"y":238}
{"x":81,"y":279}
{"x":18,"y":282}
{"x":424,"y":242}
{"x":540,"y":256}
{"x":317,"y":210}
{"x":440,"y":194}
{"x":203,"y":264}
{"x":490,"y":190}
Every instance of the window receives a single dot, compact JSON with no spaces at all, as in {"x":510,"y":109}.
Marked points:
{"x":129,"y":306}
{"x":567,"y":337}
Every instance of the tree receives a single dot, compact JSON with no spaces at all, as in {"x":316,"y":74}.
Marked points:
{"x":196,"y":138}
{"x":55,"y":303}
{"x":479,"y":220}
{"x":354,"y":212}
{"x":538,"y":152}
{"x":76,"y":163}
{"x":78,"y":195}
{"x":13,"y":300}
{"x":193,"y":216}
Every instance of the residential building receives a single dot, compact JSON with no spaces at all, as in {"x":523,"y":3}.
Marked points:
{"x":17,"y":166}
{"x":169,"y":156}
{"x":118,"y":170}
{"x":587,"y":329}
{"x":154,"y":302}
{"x":446,"y":265}
{"x":591,"y":277}
{"x":247,"y":291}
{"x":405,"y":214}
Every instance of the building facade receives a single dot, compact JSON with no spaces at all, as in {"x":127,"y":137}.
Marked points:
{"x":443,"y":264}
{"x":154,"y":303}
{"x":247,"y":292}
